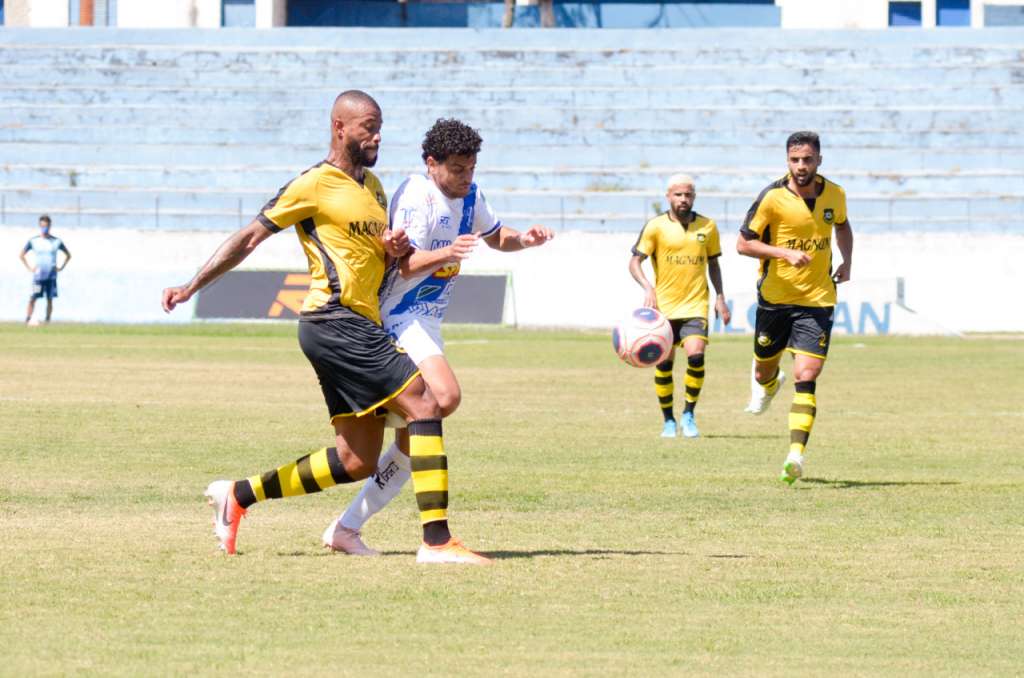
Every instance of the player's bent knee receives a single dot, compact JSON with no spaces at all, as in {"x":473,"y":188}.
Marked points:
{"x":448,"y":402}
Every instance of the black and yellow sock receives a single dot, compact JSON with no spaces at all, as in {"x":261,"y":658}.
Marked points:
{"x":801,"y":415}
{"x":773,"y":383}
{"x":312,"y":473}
{"x":664,"y":388}
{"x":694,"y":380}
{"x":430,"y":479}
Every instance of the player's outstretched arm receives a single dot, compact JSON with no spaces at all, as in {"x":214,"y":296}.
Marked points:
{"x":419,"y":262}
{"x":635,"y":270}
{"x":507,"y":239}
{"x":231,"y":253}
{"x":844,"y":239}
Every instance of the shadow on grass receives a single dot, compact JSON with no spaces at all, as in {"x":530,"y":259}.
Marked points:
{"x":508,"y":555}
{"x":744,"y":436}
{"x":855,"y":484}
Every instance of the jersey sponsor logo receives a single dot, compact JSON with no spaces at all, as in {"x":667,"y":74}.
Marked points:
{"x":830,"y":215}
{"x":684,"y":259}
{"x":809,"y":244}
{"x":356,"y":228}
{"x":447,"y":271}
{"x":436,"y":244}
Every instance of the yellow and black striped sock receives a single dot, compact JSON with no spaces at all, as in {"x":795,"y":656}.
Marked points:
{"x":664,"y":388}
{"x":430,"y":478}
{"x":312,"y":473}
{"x":772,"y":384}
{"x":801,"y":415}
{"x":694,"y":380}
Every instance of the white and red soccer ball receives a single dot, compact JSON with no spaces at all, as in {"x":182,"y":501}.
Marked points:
{"x":643,"y":338}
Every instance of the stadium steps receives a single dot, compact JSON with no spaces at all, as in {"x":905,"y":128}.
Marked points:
{"x":577,"y":124}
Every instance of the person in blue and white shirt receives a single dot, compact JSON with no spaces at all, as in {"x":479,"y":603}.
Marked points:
{"x":44,"y":267}
{"x":445,"y":215}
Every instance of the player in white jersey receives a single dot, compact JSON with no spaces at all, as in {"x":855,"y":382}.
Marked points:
{"x":445,"y":215}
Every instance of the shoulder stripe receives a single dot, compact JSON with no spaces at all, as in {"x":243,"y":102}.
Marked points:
{"x":273,"y":201}
{"x":745,"y":228}
{"x":639,"y":237}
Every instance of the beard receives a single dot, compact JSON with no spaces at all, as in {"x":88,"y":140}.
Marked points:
{"x":804,"y":181}
{"x":361,"y":157}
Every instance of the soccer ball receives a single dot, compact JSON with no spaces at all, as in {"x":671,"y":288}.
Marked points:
{"x":643,"y":339}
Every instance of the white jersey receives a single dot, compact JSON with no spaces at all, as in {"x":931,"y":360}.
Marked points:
{"x":432,"y":221}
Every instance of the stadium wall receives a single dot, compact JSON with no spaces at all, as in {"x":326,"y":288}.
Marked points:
{"x":952,"y":283}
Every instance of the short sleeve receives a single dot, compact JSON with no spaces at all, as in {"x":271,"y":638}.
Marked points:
{"x":484,"y":220}
{"x":293,"y":203}
{"x":713,"y":245}
{"x":758,"y":217}
{"x":645,"y":244}
{"x":408,"y":212}
{"x":841,"y":216}
{"x":28,"y":247}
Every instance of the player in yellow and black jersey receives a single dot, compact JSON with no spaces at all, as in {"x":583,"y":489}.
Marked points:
{"x":684,"y":250}
{"x":339,"y":211}
{"x":790,"y":228}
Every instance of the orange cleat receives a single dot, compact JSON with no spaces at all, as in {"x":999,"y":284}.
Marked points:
{"x":452,"y":552}
{"x":227,"y":514}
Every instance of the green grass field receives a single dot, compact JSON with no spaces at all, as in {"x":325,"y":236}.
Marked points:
{"x":617,"y":552}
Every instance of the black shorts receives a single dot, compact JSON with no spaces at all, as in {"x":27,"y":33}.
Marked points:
{"x":800,"y":329}
{"x":682,"y":328}
{"x":44,"y":288}
{"x":359,"y":366}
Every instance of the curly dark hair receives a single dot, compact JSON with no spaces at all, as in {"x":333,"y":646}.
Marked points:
{"x":448,"y":137}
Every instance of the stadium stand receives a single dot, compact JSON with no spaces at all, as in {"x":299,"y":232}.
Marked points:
{"x":193,"y":130}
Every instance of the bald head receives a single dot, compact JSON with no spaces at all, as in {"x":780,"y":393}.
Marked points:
{"x":353,"y":103}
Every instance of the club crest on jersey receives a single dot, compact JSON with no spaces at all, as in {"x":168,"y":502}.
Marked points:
{"x":382,"y":201}
{"x":763,"y":340}
{"x":701,"y":237}
{"x":830,"y":215}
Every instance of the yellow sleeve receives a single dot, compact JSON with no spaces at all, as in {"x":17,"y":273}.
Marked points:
{"x":713,"y":245}
{"x":645,"y":244}
{"x":841,"y":207}
{"x":293,"y":203}
{"x":759,"y":216}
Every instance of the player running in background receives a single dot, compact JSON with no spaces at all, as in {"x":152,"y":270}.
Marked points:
{"x":789,"y":228}
{"x":445,"y":215}
{"x":340,"y":213}
{"x":684,"y":250}
{"x":44,"y":248}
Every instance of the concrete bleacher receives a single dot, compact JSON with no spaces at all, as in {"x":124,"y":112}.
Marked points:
{"x":194,"y":130}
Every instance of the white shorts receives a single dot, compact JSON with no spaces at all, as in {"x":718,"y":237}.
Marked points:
{"x":418,"y":336}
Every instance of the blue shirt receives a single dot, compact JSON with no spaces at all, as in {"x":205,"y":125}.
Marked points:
{"x":45,"y":251}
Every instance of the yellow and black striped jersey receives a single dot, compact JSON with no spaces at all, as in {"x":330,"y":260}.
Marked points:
{"x":339,"y":223}
{"x":781,"y":218}
{"x":680,"y":255}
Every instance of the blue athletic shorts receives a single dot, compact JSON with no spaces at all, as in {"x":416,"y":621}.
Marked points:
{"x":44,"y":288}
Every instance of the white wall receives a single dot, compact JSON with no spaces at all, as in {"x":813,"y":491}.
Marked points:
{"x":36,"y":13}
{"x":168,"y":13}
{"x":578,"y":280}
